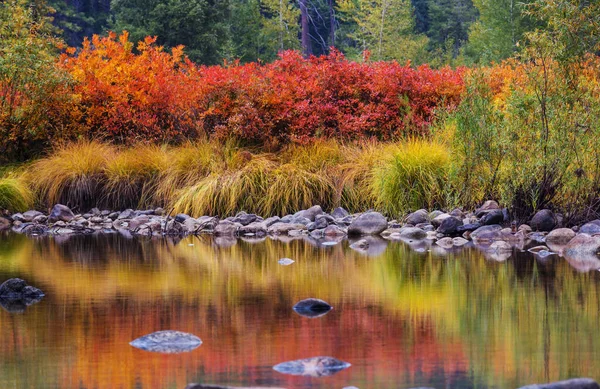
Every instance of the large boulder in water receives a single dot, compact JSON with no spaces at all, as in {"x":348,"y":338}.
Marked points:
{"x":312,"y":308}
{"x":582,"y":252}
{"x":492,"y":217}
{"x":61,"y":213}
{"x":557,"y":239}
{"x":312,"y":367}
{"x":16,"y":295}
{"x":449,"y":225}
{"x":310,"y":213}
{"x":543,"y":220}
{"x":167,"y":342}
{"x":575,"y":383}
{"x":590,"y":228}
{"x":369,"y":223}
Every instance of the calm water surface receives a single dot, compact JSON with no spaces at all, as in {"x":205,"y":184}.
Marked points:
{"x":402,"y":317}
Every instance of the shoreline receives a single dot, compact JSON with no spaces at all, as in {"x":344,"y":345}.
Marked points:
{"x":487,"y":227}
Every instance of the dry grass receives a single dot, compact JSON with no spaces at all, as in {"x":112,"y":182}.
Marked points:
{"x":72,"y":175}
{"x":15,"y":194}
{"x":132,"y":177}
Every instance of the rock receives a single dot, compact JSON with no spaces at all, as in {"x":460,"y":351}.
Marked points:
{"x":412,"y":233}
{"x":312,"y":367}
{"x":449,"y":225}
{"x":590,"y":228}
{"x":458,"y":241}
{"x":575,"y":383}
{"x":437,"y":221}
{"x":333,"y":231}
{"x":369,"y":223}
{"x":457,"y":212}
{"x":445,"y":243}
{"x":583,"y":248}
{"x":167,"y":342}
{"x":417,"y":217}
{"x":226,"y":228}
{"x":312,"y":308}
{"x":5,"y":224}
{"x":256,"y":228}
{"x":339,"y":213}
{"x":310,"y":213}
{"x":30,"y":216}
{"x":486,"y":232}
{"x":543,"y":220}
{"x":492,"y":217}
{"x":126,"y":214}
{"x":245,"y":218}
{"x":525,"y":228}
{"x":61,"y":213}
{"x":433,"y":214}
{"x":318,"y":224}
{"x":489,"y":205}
{"x":467,"y":227}
{"x":138,"y":221}
{"x":560,"y":236}
{"x":181,"y":218}
{"x":16,"y":295}
{"x":285,"y":261}
{"x":271,"y":220}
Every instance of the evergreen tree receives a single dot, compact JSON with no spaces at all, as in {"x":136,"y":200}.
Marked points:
{"x":281,"y":23}
{"x":200,"y":25}
{"x":449,"y":22}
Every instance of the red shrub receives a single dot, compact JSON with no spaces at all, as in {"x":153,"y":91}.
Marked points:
{"x":157,"y":95}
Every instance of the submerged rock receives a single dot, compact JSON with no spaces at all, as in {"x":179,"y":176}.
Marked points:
{"x":575,"y":383}
{"x":312,"y":367}
{"x":312,"y":308}
{"x":16,"y":295}
{"x":286,"y":261}
{"x":167,"y":342}
{"x":369,"y":223}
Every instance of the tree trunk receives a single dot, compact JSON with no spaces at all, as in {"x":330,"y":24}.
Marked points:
{"x":306,"y":47}
{"x":331,"y":24}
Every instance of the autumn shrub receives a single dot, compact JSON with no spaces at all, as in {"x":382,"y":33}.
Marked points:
{"x":73,"y":174}
{"x":15,"y":194}
{"x":162,"y":96}
{"x":413,"y":176}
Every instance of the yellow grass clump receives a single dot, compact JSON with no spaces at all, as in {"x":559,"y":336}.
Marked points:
{"x":15,"y":194}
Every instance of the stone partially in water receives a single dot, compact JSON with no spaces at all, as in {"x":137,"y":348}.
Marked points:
{"x":16,"y":295}
{"x":312,"y":308}
{"x":167,"y":342}
{"x":286,"y":261}
{"x":312,"y":367}
{"x":368,"y":223}
{"x":575,"y":383}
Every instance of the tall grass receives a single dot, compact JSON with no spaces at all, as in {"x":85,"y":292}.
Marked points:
{"x":15,"y":194}
{"x":412,"y":177}
{"x":73,"y":174}
{"x":208,"y":178}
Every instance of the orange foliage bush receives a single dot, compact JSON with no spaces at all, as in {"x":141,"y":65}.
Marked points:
{"x":155,"y":95}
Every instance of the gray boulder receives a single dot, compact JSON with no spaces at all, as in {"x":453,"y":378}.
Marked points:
{"x":417,"y":217}
{"x":310,"y":213}
{"x":312,"y":367}
{"x":543,"y":220}
{"x":412,"y":233}
{"x":339,"y":213}
{"x":575,"y":383}
{"x":61,"y":213}
{"x":167,"y":342}
{"x":495,"y":216}
{"x":487,"y":232}
{"x":280,"y":228}
{"x":449,"y":225}
{"x":30,"y":216}
{"x":333,"y":231}
{"x":590,"y":228}
{"x":369,"y":223}
{"x":226,"y":228}
{"x":560,"y":236}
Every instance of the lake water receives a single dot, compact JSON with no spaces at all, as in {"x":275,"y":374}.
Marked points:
{"x":402,"y":318}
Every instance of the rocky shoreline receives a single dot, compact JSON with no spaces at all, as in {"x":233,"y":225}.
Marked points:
{"x":488,"y":227}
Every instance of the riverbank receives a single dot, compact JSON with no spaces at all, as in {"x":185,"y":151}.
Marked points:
{"x":488,"y":227}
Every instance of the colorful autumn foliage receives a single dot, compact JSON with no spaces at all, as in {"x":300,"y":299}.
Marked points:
{"x":150,"y":94}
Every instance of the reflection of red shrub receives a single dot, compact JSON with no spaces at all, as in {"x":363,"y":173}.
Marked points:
{"x":161,"y":96}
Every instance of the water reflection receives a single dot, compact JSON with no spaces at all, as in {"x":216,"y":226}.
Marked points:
{"x":402,"y":317}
